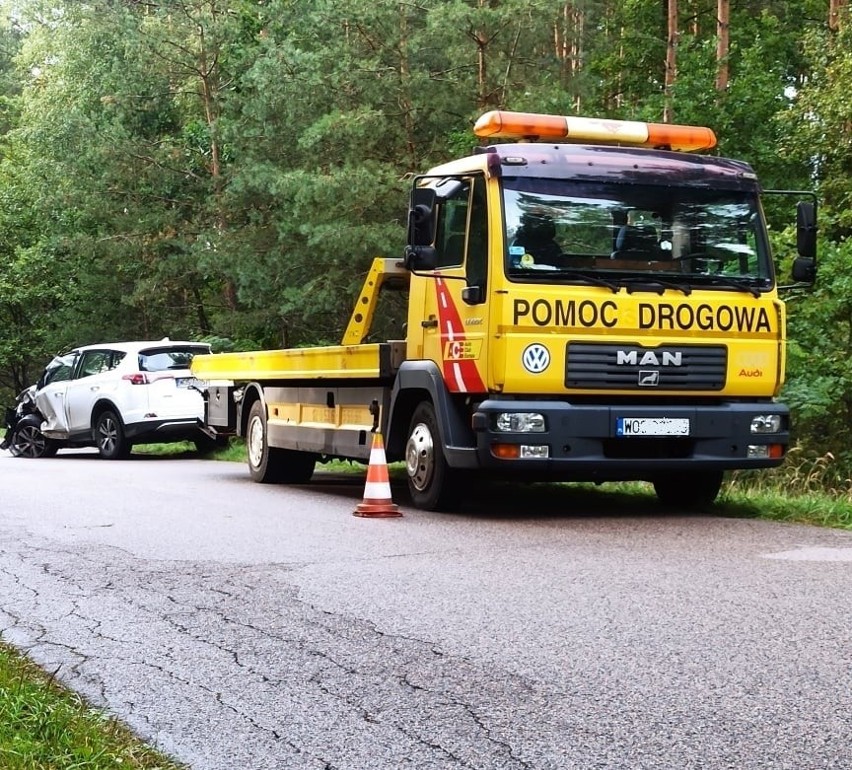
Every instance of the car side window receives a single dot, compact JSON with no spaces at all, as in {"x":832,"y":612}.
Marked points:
{"x":58,"y":370}
{"x":60,"y":374}
{"x":94,"y":362}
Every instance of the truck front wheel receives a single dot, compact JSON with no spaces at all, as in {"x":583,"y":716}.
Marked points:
{"x":688,"y":490}
{"x":433,"y":485}
{"x":270,"y":465}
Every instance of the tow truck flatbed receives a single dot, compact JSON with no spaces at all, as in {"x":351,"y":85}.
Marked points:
{"x":334,"y":362}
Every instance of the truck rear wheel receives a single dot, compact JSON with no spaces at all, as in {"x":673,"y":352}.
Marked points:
{"x":433,"y":485}
{"x":688,"y":490}
{"x":270,"y":465}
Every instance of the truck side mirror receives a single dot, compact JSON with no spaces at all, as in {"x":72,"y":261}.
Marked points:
{"x":420,"y":254}
{"x":804,"y":266}
{"x":804,"y":270}
{"x":472,"y":295}
{"x":420,"y":258}
{"x":421,"y":217}
{"x":806,"y":229}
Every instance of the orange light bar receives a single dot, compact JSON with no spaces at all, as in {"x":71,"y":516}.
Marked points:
{"x":499,"y":124}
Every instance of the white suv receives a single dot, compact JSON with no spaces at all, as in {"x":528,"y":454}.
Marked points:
{"x":115,"y":395}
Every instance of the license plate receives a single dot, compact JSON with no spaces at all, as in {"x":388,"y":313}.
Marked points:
{"x":652,"y":426}
{"x":189,"y":382}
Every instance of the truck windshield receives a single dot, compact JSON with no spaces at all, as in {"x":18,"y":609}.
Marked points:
{"x":558,"y":230}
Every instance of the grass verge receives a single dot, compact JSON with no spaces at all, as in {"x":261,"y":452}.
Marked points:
{"x":43,"y":726}
{"x":804,"y":490}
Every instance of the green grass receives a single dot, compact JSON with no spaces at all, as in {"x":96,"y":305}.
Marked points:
{"x":45,"y":727}
{"x":805,"y":490}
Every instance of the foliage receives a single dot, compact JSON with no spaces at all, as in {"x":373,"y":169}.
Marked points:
{"x":227,"y":169}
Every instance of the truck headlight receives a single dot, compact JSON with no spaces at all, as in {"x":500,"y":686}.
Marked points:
{"x":520,"y":422}
{"x":766,"y":423}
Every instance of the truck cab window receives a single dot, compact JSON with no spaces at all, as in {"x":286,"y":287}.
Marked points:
{"x":698,"y":234}
{"x":477,"y":253}
{"x":452,"y":227}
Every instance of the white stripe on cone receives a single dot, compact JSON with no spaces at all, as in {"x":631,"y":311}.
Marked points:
{"x":377,"y":490}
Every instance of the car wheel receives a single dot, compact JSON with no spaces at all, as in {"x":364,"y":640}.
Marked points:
{"x":109,"y":437}
{"x":688,"y":490}
{"x":433,"y":485}
{"x":271,"y":465}
{"x":28,"y":440}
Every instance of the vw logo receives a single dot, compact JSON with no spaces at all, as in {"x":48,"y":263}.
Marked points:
{"x":536,"y":358}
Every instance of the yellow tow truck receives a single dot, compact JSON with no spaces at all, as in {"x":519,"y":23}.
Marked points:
{"x":588,"y":300}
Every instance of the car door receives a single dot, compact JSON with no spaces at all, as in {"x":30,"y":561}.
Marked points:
{"x":50,"y":397}
{"x":92,"y":380}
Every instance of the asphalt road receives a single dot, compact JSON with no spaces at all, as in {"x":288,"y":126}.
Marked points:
{"x":245,"y":627}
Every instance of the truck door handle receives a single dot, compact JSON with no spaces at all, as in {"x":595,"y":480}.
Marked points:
{"x":430,"y":324}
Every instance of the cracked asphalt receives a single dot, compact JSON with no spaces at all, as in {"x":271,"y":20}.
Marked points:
{"x":237,"y":625}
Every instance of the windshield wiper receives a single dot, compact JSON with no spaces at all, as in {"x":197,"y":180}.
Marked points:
{"x":732,"y":283}
{"x":590,"y":277}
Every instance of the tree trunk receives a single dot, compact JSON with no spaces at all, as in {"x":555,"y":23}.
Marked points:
{"x":671,"y":61}
{"x":835,"y":13}
{"x":723,"y":17}
{"x":568,"y":39}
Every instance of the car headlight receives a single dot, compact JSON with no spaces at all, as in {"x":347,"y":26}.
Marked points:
{"x":766,"y":423}
{"x":520,"y":422}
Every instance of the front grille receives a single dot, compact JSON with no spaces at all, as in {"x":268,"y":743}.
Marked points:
{"x":634,"y":367}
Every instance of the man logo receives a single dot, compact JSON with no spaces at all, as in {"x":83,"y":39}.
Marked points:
{"x":535,"y":358}
{"x":649,"y":378}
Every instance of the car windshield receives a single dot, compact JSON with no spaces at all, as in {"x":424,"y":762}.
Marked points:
{"x":702,"y":236}
{"x":58,"y":370}
{"x":173,"y":357}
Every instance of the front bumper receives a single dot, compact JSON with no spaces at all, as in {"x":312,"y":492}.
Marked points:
{"x":587,"y":441}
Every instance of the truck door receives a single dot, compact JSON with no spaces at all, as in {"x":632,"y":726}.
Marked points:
{"x":449,"y":314}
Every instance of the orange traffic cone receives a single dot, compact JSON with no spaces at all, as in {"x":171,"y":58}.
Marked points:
{"x":377,"y":493}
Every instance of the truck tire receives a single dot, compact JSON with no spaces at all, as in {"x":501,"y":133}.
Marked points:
{"x":688,"y":490}
{"x":109,"y":436}
{"x":270,"y":465}
{"x":433,"y":485}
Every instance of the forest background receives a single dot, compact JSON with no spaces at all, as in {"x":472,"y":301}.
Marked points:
{"x":227,"y":169}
